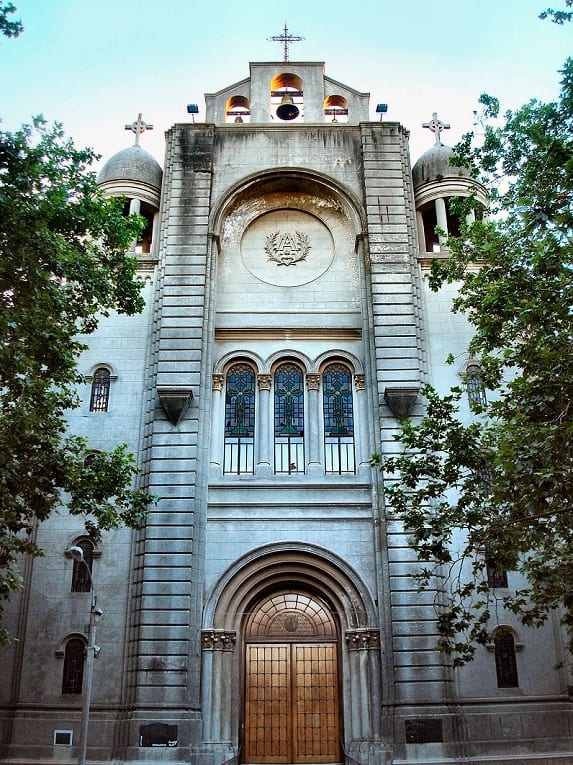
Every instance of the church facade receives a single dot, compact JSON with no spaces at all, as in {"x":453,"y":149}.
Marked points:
{"x":267,"y":613}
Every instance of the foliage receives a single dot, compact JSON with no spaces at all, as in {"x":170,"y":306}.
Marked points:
{"x":502,"y":486}
{"x":62,"y":266}
{"x":9,"y":28}
{"x":558,"y":17}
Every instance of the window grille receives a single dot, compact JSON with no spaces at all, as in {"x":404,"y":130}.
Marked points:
{"x":239,"y":420}
{"x":338,"y":419}
{"x":99,"y":400}
{"x":81,"y":581}
{"x":73,"y":674}
{"x":505,"y":663}
{"x":289,"y":419}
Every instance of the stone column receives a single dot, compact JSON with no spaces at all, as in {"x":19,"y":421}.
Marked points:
{"x":264,"y":441}
{"x":313,"y":418}
{"x":363,"y":651}
{"x":217,"y":422}
{"x":421,"y":232}
{"x":361,"y":424}
{"x":218,"y":648}
{"x":442,"y":219}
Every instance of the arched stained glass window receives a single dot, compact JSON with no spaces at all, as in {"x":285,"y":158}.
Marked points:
{"x":81,"y":577}
{"x":73,"y":674}
{"x":289,"y":419}
{"x":99,"y":399}
{"x":239,"y":420}
{"x":505,"y":663}
{"x":338,"y":419}
{"x":474,"y":386}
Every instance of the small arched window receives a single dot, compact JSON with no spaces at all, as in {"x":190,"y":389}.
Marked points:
{"x":474,"y":386}
{"x":99,"y":400}
{"x":338,"y":417}
{"x":73,"y":672}
{"x":240,"y":420}
{"x":81,"y":572}
{"x":289,"y":419}
{"x":505,"y":662}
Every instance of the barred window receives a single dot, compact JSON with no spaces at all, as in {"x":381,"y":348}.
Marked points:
{"x":73,"y":673}
{"x":239,"y":420}
{"x":505,"y":662}
{"x":338,"y":419}
{"x":81,"y":576}
{"x":289,"y":419}
{"x":99,"y":400}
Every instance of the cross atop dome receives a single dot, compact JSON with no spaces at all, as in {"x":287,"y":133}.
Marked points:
{"x":138,"y":127}
{"x":286,"y":38}
{"x":436,"y":126}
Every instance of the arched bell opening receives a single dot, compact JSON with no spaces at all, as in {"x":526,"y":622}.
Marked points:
{"x":287,"y":97}
{"x":238,"y":110}
{"x":335,"y":109}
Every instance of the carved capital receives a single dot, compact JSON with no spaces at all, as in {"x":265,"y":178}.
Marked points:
{"x":363,"y":639}
{"x":218,"y":640}
{"x":264,"y":381}
{"x":359,"y":382}
{"x":218,"y":381}
{"x":313,"y":381}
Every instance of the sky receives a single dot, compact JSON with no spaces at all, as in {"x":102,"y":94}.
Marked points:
{"x":93,"y":65}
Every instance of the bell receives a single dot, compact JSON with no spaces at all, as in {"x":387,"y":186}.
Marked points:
{"x":287,"y":109}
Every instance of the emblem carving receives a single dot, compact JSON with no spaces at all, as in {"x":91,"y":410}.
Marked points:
{"x":287,"y":248}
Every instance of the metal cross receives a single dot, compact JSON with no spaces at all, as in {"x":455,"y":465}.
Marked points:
{"x":286,"y":38}
{"x":436,"y":126}
{"x":138,"y":127}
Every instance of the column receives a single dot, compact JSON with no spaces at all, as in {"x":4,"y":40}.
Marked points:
{"x":313,"y":418}
{"x":363,"y":452}
{"x":263,"y":442}
{"x":442,"y":219}
{"x":217,"y":422}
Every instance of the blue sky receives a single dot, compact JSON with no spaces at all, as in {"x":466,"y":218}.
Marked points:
{"x":94,"y":64}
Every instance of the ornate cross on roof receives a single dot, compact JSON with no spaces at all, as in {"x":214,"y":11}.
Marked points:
{"x":436,"y":126}
{"x":286,"y":38}
{"x":138,"y":127}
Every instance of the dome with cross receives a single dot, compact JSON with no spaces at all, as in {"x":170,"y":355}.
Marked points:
{"x":132,"y":164}
{"x":434,"y":164}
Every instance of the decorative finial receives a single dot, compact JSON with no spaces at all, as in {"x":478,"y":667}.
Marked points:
{"x":138,"y":127}
{"x":286,"y":38}
{"x":436,"y":126}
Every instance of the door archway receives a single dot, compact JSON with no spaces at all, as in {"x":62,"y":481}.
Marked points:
{"x":291,"y":681}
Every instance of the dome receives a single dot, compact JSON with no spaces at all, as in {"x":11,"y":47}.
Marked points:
{"x":434,"y":165}
{"x":132,"y":164}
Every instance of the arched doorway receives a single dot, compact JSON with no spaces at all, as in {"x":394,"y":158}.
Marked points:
{"x":291,"y":681}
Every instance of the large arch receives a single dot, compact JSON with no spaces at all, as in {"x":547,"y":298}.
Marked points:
{"x":288,"y":179}
{"x":296,"y":567}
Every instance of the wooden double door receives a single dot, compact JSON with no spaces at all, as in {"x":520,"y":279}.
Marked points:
{"x":292,"y":690}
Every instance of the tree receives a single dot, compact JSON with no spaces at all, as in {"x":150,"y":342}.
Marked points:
{"x":63,"y":264}
{"x":9,"y":28}
{"x":500,"y":489}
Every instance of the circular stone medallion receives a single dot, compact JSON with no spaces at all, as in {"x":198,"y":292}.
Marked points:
{"x":287,"y":248}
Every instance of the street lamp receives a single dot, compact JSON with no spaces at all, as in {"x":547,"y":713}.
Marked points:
{"x":92,"y":650}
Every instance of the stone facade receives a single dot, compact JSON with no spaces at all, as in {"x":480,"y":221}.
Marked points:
{"x":280,"y":247}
